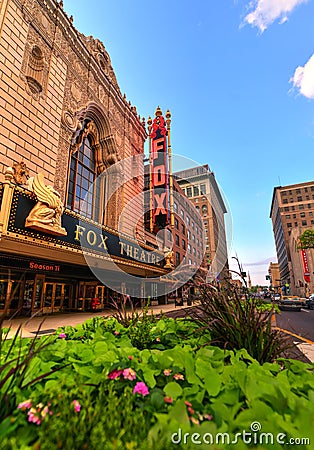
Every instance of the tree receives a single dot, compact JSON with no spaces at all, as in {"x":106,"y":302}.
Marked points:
{"x":306,"y":240}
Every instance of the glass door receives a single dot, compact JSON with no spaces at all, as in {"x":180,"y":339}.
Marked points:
{"x":67,"y":296}
{"x":57,"y":302}
{"x":39,"y":290}
{"x":48,"y":297}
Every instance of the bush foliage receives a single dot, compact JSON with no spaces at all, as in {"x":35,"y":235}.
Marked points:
{"x":111,"y":393}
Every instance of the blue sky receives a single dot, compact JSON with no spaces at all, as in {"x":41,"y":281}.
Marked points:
{"x":238,"y":78}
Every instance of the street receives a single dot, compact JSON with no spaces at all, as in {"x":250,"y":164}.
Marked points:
{"x":299,"y":323}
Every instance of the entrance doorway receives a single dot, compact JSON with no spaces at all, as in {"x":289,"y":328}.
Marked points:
{"x":56,"y":297}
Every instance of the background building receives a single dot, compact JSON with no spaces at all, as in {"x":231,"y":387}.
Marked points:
{"x":292,"y":210}
{"x":274,"y":277}
{"x":200,"y":186}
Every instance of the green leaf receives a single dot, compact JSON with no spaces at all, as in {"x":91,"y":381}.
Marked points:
{"x":173,"y":389}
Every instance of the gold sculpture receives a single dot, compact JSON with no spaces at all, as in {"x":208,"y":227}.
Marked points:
{"x":46,"y":214}
{"x":168,"y":258}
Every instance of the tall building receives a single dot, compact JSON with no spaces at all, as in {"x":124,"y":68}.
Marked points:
{"x":292,"y":210}
{"x":200,"y":186}
{"x":274,"y":276}
{"x":71,"y":149}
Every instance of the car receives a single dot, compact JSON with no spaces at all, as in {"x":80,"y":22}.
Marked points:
{"x":291,"y":303}
{"x":276,"y":298}
{"x":309,"y":303}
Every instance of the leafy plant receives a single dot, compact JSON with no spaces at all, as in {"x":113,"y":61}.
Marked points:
{"x":16,"y":358}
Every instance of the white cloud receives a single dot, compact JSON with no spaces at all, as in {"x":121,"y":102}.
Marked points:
{"x":267,"y":11}
{"x":303,"y":78}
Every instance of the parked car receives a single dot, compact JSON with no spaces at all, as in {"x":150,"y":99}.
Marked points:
{"x":309,"y":303}
{"x":291,"y":303}
{"x":276,"y":298}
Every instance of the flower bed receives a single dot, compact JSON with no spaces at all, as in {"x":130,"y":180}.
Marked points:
{"x":110,"y":393}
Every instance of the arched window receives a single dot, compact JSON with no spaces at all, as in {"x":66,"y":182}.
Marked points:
{"x":84,"y":187}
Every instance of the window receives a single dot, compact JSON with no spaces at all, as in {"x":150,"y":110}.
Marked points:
{"x":294,"y":216}
{"x":304,"y":223}
{"x":286,"y":208}
{"x":183,"y":229}
{"x":285,"y":200}
{"x":183,"y":244}
{"x":176,"y":223}
{"x":197,"y":208}
{"x":177,"y":240}
{"x":302,"y":214}
{"x":189,"y":248}
{"x":84,"y":187}
{"x":196,"y":191}
{"x":182,"y":213}
{"x":177,"y":258}
{"x":189,"y":192}
{"x":310,"y":213}
{"x":309,"y":205}
{"x":299,"y":198}
{"x":292,"y":208}
{"x":298,"y":191}
{"x":188,"y":220}
{"x":288,"y":216}
{"x":305,"y":189}
{"x":289,"y":224}
{"x":175,"y":207}
{"x":204,"y":209}
{"x":296,"y":224}
{"x":301,"y":206}
{"x":203,"y":189}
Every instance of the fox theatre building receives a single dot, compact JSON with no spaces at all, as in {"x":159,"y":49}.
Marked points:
{"x":71,"y":159}
{"x":47,"y":263}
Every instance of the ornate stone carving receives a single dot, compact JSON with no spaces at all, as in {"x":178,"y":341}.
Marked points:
{"x":46,"y":214}
{"x":20,"y":173}
{"x":81,"y":134}
{"x":75,"y":91}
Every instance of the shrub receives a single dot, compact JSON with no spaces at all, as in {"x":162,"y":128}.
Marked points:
{"x":238,"y":323}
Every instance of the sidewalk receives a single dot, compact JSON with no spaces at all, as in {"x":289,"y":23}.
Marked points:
{"x":49,"y":323}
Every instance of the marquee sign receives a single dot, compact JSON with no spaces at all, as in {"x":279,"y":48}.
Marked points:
{"x":159,"y":173}
{"x":81,"y":234}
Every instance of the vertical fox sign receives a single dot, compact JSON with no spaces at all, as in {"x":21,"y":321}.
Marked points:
{"x":159,"y":175}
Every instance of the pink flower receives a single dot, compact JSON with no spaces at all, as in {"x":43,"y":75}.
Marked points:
{"x":167,"y":372}
{"x":130,"y":357}
{"x":168,"y":399}
{"x":178,"y":376}
{"x":116,"y":333}
{"x":33,"y":417}
{"x":208,"y":417}
{"x":191,"y":410}
{"x":115,"y":374}
{"x":188,"y":403}
{"x":62,"y":336}
{"x":141,"y":388}
{"x":129,"y":374}
{"x":77,"y":406}
{"x":157,"y":339}
{"x":25,"y":405}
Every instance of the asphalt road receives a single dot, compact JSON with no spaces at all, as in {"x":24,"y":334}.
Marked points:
{"x":299,"y":323}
